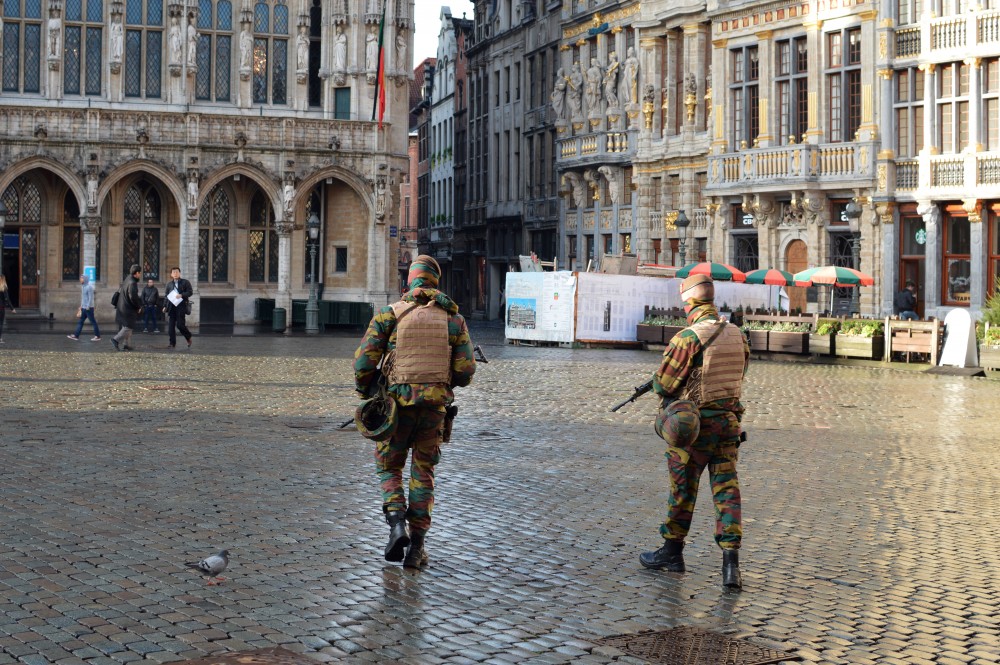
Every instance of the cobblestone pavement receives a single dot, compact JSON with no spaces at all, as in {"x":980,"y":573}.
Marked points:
{"x":870,"y":500}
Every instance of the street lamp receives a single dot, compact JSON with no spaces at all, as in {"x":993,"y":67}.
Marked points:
{"x":853,"y":213}
{"x":312,"y":308}
{"x":682,"y":223}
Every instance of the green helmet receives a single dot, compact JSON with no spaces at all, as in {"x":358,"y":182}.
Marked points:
{"x":679,"y":423}
{"x":376,"y":417}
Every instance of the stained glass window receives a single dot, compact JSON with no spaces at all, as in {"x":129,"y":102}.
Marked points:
{"x":270,"y":54}
{"x":263,"y":250}
{"x":213,"y":237}
{"x":82,"y":48}
{"x":214,"y":57}
{"x":144,"y":48}
{"x":143,"y":229}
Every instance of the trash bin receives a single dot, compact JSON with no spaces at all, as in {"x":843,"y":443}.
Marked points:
{"x":278,"y":320}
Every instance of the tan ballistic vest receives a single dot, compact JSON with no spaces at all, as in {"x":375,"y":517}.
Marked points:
{"x":422,"y":353}
{"x":721,"y":373}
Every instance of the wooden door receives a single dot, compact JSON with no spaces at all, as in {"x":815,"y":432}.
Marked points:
{"x":29,"y":267}
{"x":796,"y":259}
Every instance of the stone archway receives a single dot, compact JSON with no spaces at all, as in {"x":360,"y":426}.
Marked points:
{"x":796,"y":259}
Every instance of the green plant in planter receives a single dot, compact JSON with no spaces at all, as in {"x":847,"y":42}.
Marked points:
{"x":861,"y":328}
{"x":828,"y":328}
{"x":664,"y":321}
{"x":991,"y":315}
{"x":785,"y":326}
{"x":757,"y":325}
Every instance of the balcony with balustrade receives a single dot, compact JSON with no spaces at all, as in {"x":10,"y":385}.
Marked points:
{"x":606,"y":147}
{"x":777,"y":168}
{"x":972,"y":34}
{"x":952,"y":176}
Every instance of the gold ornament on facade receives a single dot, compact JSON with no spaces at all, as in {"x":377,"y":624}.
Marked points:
{"x":883,"y":46}
{"x":882,"y":176}
{"x":690,"y":101}
{"x":596,"y":19}
{"x":668,"y":220}
{"x":647,"y":112}
{"x":883,"y":210}
{"x":974,"y":208}
{"x":885,"y":74}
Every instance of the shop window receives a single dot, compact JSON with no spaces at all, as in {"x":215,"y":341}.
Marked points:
{"x":956,"y":258}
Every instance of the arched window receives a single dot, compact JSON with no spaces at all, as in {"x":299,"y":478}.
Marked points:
{"x":82,"y":53}
{"x":215,"y":61}
{"x":263,"y":240}
{"x":22,"y":44}
{"x":213,"y":237}
{"x":24,"y":204}
{"x":143,"y":48}
{"x":72,"y":238}
{"x":143,"y":230}
{"x":270,"y":54}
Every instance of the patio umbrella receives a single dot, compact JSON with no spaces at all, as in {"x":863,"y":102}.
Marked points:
{"x":717,"y":271}
{"x":832,"y":276}
{"x":771,"y":277}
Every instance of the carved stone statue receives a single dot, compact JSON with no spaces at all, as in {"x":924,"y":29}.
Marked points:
{"x":302,"y":50}
{"x":401,"y":63}
{"x":611,"y":81}
{"x":192,"y":43}
{"x":576,"y":181}
{"x":371,"y":50}
{"x":175,"y":40}
{"x":615,"y":187}
{"x":628,"y":91}
{"x":92,"y":184}
{"x":289,"y":197}
{"x":558,"y":96}
{"x":192,"y":189}
{"x":340,"y":51}
{"x":574,"y":91}
{"x":55,"y":28}
{"x":117,"y":40}
{"x":246,"y":42}
{"x":594,"y":76}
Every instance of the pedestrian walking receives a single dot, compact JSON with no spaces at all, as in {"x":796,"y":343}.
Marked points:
{"x":700,"y":380}
{"x":150,"y":301}
{"x":906,"y":302}
{"x":127,"y":310}
{"x":176,"y":306}
{"x":425,"y":351}
{"x":86,"y":311}
{"x":5,"y":304}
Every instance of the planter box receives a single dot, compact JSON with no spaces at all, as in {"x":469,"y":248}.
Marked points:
{"x":651,"y":334}
{"x":989,"y":357}
{"x":823,"y":345}
{"x":869,"y":348}
{"x":758,"y":340}
{"x":787,"y":342}
{"x":669,"y":332}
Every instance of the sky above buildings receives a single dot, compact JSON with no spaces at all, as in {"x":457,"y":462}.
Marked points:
{"x":427,"y":18}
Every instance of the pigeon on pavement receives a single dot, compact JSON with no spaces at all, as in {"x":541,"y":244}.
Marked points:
{"x":211,"y":567}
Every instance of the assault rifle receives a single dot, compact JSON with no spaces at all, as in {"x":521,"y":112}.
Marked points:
{"x":477,"y":351}
{"x":639,"y":392}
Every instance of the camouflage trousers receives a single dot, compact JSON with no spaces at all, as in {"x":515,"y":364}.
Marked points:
{"x":419,"y":430}
{"x":715,"y":448}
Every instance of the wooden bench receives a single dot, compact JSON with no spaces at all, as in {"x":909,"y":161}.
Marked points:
{"x":913,"y":337}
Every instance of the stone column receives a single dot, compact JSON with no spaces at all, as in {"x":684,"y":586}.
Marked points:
{"x":868,"y":130}
{"x":890,"y":241}
{"x":765,"y":55}
{"x":814,"y":44}
{"x":188,"y":242}
{"x":720,"y":119}
{"x":244,"y":50}
{"x":975,"y":108}
{"x":283,"y":298}
{"x":378,"y":243}
{"x":90,"y":225}
{"x":978,"y":269}
{"x":931,"y":213}
{"x":670,"y":98}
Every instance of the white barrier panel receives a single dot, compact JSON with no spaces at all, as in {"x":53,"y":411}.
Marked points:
{"x":608,"y":307}
{"x":539,"y":306}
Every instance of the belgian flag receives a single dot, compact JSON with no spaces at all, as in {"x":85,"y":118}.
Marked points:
{"x":379,"y":103}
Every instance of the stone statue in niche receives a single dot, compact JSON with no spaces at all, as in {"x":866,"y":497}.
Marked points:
{"x":558,"y":96}
{"x":611,"y":81}
{"x":246,"y":43}
{"x":594,"y":77}
{"x":55,"y":28}
{"x":117,"y":40}
{"x":175,"y":40}
{"x":574,"y":91}
{"x":371,"y":49}
{"x":628,"y":92}
{"x":302,"y":49}
{"x":340,"y":51}
{"x":401,"y":64}
{"x":192,"y":43}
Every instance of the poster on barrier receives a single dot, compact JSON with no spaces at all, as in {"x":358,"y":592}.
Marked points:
{"x":539,"y":306}
{"x":608,"y":307}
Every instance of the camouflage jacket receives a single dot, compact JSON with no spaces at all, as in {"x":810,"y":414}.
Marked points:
{"x":684,"y":354}
{"x":380,"y":338}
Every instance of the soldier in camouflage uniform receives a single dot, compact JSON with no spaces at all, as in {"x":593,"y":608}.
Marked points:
{"x":427,"y":352}
{"x":711,"y":377}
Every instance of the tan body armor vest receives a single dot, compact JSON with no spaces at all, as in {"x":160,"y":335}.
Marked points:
{"x":721,"y":373}
{"x":422,"y":353}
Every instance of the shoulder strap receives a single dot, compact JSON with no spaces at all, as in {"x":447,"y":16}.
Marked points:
{"x":718,"y":331}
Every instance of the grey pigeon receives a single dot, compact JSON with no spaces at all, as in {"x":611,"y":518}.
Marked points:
{"x":211,"y":567}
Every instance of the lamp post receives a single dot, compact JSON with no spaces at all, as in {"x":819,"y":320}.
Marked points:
{"x":312,"y":307}
{"x":853,"y":212}
{"x":3,"y":223}
{"x":682,"y":223}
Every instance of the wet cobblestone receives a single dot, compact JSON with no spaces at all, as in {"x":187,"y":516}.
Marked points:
{"x":869,"y":502}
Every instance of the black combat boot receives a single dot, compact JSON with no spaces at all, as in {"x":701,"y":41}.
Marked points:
{"x":670,"y":556}
{"x":416,"y":556}
{"x":732,"y":580}
{"x":398,"y":537}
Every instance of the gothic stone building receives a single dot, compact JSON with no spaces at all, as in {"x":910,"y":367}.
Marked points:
{"x":201,"y":134}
